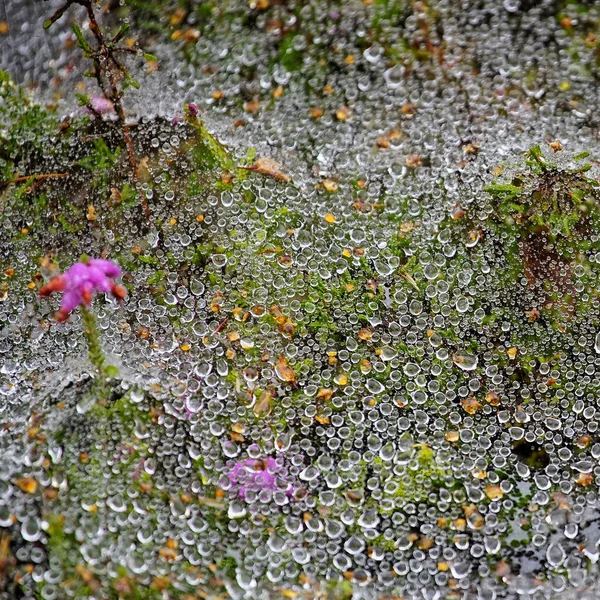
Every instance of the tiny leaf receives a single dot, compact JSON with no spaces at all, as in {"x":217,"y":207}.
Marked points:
{"x":81,"y":39}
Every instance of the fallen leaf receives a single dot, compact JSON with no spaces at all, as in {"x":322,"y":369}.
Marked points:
{"x":325,"y":394}
{"x":494,"y":492}
{"x":365,"y":334}
{"x":27,"y":485}
{"x":585,"y":479}
{"x":263,"y":407}
{"x":413,"y":161}
{"x":284,"y":371}
{"x":471,"y":405}
{"x":342,"y":113}
{"x":267,"y":166}
{"x":252,"y":106}
{"x":555,"y":145}
{"x":492,"y":398}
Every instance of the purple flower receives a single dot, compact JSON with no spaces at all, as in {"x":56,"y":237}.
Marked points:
{"x":257,"y":475}
{"x":81,"y":282}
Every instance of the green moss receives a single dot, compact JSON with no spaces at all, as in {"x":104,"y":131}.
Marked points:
{"x":338,"y":590}
{"x":290,"y":58}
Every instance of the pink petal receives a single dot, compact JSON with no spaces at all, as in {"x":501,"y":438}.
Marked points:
{"x":109,"y":268}
{"x":71,"y":300}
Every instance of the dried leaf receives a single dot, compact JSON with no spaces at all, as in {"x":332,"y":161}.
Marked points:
{"x":585,"y":479}
{"x":492,"y":398}
{"x":325,"y":394}
{"x":494,"y":492}
{"x":342,"y":113}
{"x":263,"y":407}
{"x":451,"y":436}
{"x":365,"y":334}
{"x":471,"y":405}
{"x":283,"y":371}
{"x":269,"y":167}
{"x":27,"y":485}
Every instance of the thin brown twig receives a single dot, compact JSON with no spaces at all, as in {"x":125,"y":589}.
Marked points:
{"x":37,"y":176}
{"x":38,"y":180}
{"x":115,"y":94}
{"x":222,"y":324}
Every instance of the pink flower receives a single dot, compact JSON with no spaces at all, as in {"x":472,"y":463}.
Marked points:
{"x":100,"y":105}
{"x":257,"y":475}
{"x":81,"y":282}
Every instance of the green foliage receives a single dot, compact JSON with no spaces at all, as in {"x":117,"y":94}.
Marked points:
{"x":338,"y":589}
{"x":208,"y":152}
{"x":81,"y":41}
{"x":101,"y":158}
{"x":290,"y":58}
{"x":24,"y":128}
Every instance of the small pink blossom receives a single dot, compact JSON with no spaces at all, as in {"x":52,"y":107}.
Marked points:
{"x":257,"y":475}
{"x":100,"y":105}
{"x":81,"y":282}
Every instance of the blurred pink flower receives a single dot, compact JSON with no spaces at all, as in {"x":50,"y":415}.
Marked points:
{"x":81,"y":282}
{"x":100,"y":105}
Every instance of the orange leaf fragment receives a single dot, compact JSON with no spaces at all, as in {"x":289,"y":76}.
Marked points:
{"x":365,"y":334}
{"x":263,"y":406}
{"x":471,"y":405}
{"x":585,"y":479}
{"x":27,"y":485}
{"x":494,"y":492}
{"x":342,"y":113}
{"x":267,"y":166}
{"x":284,"y":371}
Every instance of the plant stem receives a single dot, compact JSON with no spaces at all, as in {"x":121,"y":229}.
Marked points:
{"x":109,"y":72}
{"x":93,"y":341}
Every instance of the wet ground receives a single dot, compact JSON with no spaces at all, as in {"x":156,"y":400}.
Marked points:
{"x":358,"y":353}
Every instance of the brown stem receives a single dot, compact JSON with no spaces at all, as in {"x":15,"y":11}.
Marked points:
{"x":105,"y":63}
{"x":40,"y":176}
{"x":222,"y":324}
{"x":115,"y":98}
{"x":4,"y":184}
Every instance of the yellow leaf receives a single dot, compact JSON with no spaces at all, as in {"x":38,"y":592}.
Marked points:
{"x":494,"y":492}
{"x":365,"y":334}
{"x":27,"y":485}
{"x":342,"y":113}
